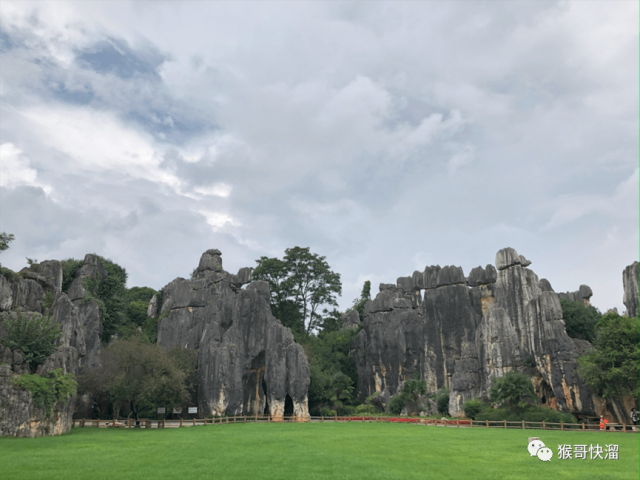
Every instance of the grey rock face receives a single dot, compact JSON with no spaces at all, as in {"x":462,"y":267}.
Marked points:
{"x":583,"y":294}
{"x":48,"y":274}
{"x":465,"y":334}
{"x":246,"y":358}
{"x":91,"y":268}
{"x":630,"y":283}
{"x":27,"y":295}
{"x":351,"y":320}
{"x":6,"y":294}
{"x":153,"y":307}
{"x":18,"y":415}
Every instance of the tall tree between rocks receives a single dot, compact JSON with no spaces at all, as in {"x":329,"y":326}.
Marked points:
{"x":300,"y":284}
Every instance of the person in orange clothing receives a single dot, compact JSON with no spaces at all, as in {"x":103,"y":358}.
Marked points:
{"x":603,"y":423}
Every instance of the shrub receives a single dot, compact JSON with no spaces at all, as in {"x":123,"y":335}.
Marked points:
{"x":531,"y":413}
{"x":367,"y":409}
{"x":348,"y":410}
{"x":69,"y":268}
{"x":396,"y":404}
{"x":48,"y":300}
{"x":442,"y":401}
{"x":580,"y":320}
{"x":35,"y":335}
{"x":47,"y":391}
{"x":472,"y":408}
{"x":9,"y":274}
{"x":514,"y":389}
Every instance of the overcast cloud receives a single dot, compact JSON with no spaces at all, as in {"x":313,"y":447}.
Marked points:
{"x":386,"y":136}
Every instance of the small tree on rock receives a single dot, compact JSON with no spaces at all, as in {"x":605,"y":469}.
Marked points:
{"x":514,"y":389}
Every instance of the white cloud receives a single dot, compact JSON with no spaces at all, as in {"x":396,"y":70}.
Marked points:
{"x":218,"y":220}
{"x":15,"y":169}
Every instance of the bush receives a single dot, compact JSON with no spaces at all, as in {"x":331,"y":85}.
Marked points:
{"x":47,"y":391}
{"x":366,"y":409}
{"x":348,"y":410}
{"x":514,"y":389}
{"x":35,"y":335}
{"x":531,"y":413}
{"x":69,"y":268}
{"x":442,"y":401}
{"x":396,"y":404}
{"x":580,"y":320}
{"x":472,"y":408}
{"x":9,"y":274}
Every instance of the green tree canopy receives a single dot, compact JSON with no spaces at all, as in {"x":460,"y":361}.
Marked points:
{"x":611,"y":368}
{"x":5,"y":240}
{"x":514,"y":389}
{"x":301,"y":279}
{"x":412,"y":390}
{"x":137,"y":374}
{"x":580,"y":320}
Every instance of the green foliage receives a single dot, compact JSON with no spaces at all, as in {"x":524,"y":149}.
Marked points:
{"x":514,"y":389}
{"x":137,"y":312}
{"x":611,"y":369}
{"x":5,"y":240}
{"x":144,"y":294}
{"x":341,"y":388}
{"x":442,"y":401}
{"x":138,"y":374}
{"x":472,"y":408}
{"x":35,"y":335}
{"x":32,"y":262}
{"x":396,"y":404}
{"x":579,"y":319}
{"x":48,"y":300}
{"x":47,"y":391}
{"x":69,"y":268}
{"x":412,"y":390}
{"x":366,"y":409}
{"x":9,"y":274}
{"x":328,"y":353}
{"x":327,"y":412}
{"x":530,"y":413}
{"x":303,"y":278}
{"x":365,"y":295}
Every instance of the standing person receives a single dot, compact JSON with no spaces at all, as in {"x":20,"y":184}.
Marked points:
{"x":634,"y":416}
{"x":603,"y":423}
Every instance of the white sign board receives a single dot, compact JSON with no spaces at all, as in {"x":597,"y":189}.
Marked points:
{"x":177,"y":410}
{"x":193,"y":409}
{"x":162,"y":410}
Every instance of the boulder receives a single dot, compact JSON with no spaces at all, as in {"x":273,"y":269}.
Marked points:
{"x":583,"y":294}
{"x":90,"y":269}
{"x":27,"y":295}
{"x":630,"y":283}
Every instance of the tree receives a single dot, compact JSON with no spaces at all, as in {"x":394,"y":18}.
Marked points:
{"x":34,"y":334}
{"x":5,"y":240}
{"x":472,"y":408}
{"x":137,"y":374}
{"x":442,"y":401}
{"x":412,"y":390}
{"x":313,"y":284}
{"x":611,"y":368}
{"x":514,"y":389}
{"x":358,"y":304}
{"x":341,"y":387}
{"x":301,"y":281}
{"x":580,"y":320}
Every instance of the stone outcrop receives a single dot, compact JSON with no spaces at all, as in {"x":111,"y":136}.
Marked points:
{"x":153,"y":307}
{"x":631,"y":290}
{"x":79,"y":346}
{"x":351,"y":320}
{"x":583,"y":294}
{"x":247,"y":361}
{"x":462,"y":333}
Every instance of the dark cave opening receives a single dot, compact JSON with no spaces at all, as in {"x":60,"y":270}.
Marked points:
{"x":288,"y":406}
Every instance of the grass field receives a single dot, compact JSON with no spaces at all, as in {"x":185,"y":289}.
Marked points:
{"x":309,"y":451}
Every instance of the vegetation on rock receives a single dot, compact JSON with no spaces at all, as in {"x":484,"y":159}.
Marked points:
{"x":580,"y":320}
{"x":47,"y":391}
{"x":34,"y":334}
{"x":611,"y":369}
{"x":514,"y":389}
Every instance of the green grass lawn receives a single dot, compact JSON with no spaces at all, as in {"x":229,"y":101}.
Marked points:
{"x":309,"y":451}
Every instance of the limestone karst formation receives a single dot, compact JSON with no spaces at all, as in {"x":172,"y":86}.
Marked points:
{"x":630,"y":284}
{"x":79,"y":345}
{"x":463,"y":332}
{"x":246,"y":359}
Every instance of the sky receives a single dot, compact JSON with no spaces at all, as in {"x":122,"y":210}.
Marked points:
{"x":385,"y":136}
